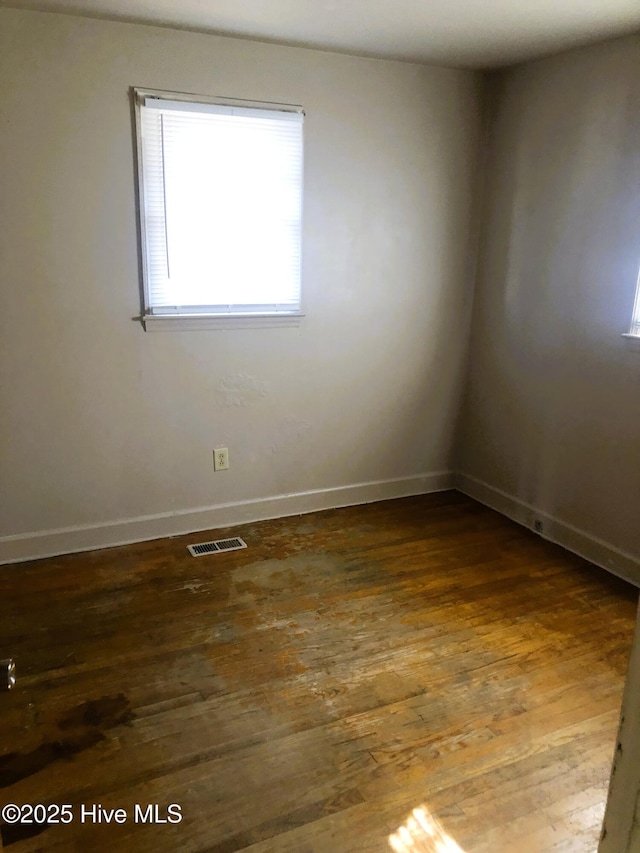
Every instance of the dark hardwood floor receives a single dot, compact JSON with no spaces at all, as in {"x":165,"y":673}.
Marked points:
{"x":307,"y":693}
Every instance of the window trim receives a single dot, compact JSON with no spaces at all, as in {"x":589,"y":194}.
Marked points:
{"x":632,"y":337}
{"x":196,"y":320}
{"x":205,"y":322}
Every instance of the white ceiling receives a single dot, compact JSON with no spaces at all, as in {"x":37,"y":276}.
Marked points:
{"x":468,"y":33}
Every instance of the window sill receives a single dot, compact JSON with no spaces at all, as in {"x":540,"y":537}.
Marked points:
{"x":204,"y":322}
{"x":632,"y":341}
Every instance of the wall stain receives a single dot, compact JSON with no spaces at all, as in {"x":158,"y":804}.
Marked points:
{"x":240,"y":390}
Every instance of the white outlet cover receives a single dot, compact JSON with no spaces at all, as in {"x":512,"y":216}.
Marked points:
{"x":221,"y":459}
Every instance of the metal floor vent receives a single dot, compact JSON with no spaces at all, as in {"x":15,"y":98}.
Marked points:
{"x":217,"y":545}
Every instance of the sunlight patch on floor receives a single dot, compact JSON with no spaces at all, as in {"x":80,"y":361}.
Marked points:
{"x":421,"y":833}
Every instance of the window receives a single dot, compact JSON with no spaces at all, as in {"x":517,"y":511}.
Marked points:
{"x":633,"y":335}
{"x":220,"y":186}
{"x":635,"y":319}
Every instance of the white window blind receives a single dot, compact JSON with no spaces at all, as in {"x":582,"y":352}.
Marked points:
{"x":635,"y":319}
{"x":221,"y":207}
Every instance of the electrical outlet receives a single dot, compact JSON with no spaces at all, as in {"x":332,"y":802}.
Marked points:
{"x":221,"y":459}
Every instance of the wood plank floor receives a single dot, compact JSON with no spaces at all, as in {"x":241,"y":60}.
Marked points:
{"x":305,"y":694}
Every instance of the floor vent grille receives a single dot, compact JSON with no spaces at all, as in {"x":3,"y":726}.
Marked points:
{"x":216,"y":546}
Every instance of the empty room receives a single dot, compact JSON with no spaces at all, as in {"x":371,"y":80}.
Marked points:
{"x":319,"y":406}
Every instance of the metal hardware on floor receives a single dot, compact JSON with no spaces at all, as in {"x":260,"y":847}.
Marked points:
{"x":7,"y":674}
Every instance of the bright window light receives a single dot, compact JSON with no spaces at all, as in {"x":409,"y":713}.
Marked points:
{"x":635,"y":319}
{"x":220,"y":206}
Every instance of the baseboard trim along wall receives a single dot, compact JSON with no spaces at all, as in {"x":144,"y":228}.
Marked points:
{"x":577,"y":541}
{"x":69,"y":540}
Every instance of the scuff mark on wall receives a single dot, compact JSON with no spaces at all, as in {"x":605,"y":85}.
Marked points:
{"x":240,"y":390}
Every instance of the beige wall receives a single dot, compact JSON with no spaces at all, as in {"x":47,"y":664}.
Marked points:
{"x":552,"y":411}
{"x":100,"y":421}
{"x":106,"y":432}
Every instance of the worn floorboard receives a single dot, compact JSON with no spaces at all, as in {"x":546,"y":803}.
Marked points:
{"x":307,"y":693}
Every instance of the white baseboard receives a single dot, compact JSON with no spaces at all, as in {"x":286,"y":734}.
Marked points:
{"x":89,"y":537}
{"x":603,"y":554}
